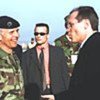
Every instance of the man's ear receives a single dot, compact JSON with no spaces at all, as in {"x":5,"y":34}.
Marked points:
{"x":87,"y":23}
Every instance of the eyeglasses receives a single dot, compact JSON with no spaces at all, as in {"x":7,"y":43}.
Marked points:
{"x":41,"y":33}
{"x":70,"y":25}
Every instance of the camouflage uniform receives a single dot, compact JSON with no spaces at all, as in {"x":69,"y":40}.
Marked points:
{"x":11,"y":80}
{"x":69,"y":49}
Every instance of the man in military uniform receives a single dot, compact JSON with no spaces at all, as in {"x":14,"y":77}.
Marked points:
{"x":11,"y":80}
{"x":70,"y":49}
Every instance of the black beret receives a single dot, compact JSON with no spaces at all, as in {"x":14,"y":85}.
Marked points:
{"x":8,"y":22}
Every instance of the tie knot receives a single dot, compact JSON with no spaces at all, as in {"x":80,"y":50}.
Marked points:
{"x":42,"y":49}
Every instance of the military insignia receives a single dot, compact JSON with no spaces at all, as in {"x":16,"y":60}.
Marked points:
{"x":9,"y":24}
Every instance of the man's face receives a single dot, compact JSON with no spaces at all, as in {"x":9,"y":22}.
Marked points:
{"x":9,"y":38}
{"x":41,"y":35}
{"x":76,"y":30}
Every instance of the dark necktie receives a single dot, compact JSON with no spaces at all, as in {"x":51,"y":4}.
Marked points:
{"x":41,"y":60}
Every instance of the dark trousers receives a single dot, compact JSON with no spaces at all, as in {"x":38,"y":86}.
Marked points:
{"x":61,"y":96}
{"x":32,"y":92}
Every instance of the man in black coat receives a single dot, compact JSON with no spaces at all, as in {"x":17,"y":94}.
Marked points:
{"x":55,"y":68}
{"x":85,"y":80}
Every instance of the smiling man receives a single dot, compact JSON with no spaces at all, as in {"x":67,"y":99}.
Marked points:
{"x":11,"y":81}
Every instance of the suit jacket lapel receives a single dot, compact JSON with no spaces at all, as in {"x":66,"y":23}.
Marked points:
{"x":51,"y":60}
{"x":34,"y":58}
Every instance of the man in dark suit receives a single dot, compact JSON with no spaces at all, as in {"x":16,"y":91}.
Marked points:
{"x":55,"y":68}
{"x":83,"y":28}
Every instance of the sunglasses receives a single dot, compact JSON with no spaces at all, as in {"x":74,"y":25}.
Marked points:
{"x":41,"y":33}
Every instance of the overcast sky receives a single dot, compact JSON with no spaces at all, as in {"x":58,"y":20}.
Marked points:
{"x":52,"y":12}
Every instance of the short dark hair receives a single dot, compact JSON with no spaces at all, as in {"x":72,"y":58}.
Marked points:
{"x":87,"y":12}
{"x":43,"y":24}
